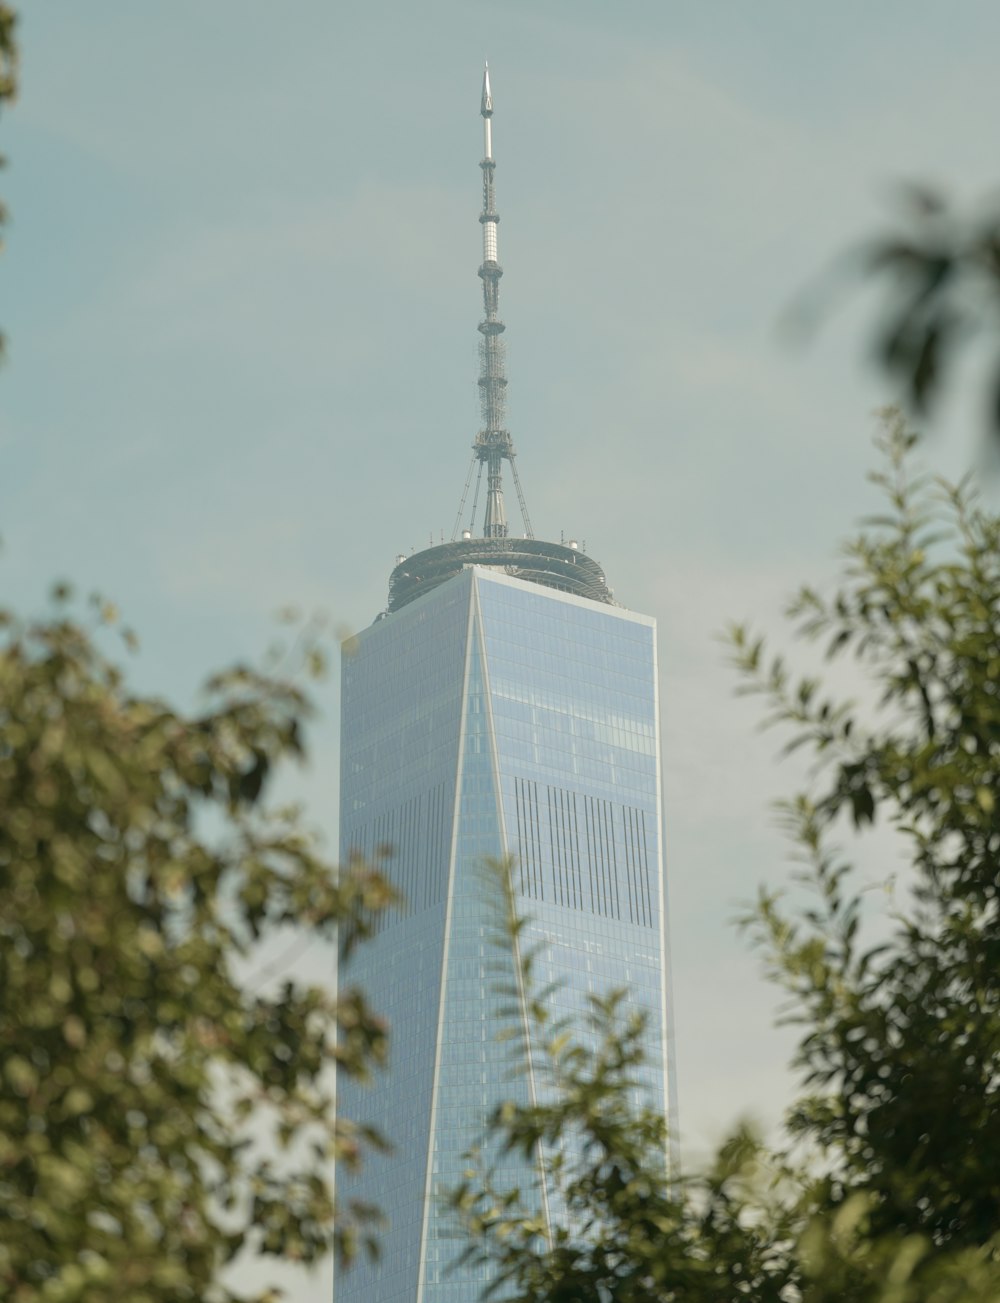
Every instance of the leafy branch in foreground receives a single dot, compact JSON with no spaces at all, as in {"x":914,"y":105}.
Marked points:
{"x":609,"y":1224}
{"x":619,"y":1230}
{"x":902,"y":1039}
{"x":139,"y":871}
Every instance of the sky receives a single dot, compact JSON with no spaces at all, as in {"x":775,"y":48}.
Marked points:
{"x":240,"y":298}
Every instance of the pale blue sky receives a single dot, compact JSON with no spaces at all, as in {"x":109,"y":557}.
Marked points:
{"x":240,"y":293}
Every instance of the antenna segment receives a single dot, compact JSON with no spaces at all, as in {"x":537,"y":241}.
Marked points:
{"x":493,"y":443}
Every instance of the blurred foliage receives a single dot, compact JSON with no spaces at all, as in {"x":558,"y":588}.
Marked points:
{"x":162,"y":1108}
{"x":8,"y":53}
{"x":8,"y":83}
{"x":943,"y":275}
{"x":938,"y":277}
{"x":886,"y":1186}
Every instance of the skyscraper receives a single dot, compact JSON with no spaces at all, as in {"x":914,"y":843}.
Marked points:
{"x":504,"y":704}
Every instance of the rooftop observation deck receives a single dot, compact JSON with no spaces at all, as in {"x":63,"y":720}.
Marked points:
{"x":553,"y":565}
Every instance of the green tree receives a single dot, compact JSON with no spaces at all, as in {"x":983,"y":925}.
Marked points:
{"x":887,"y":1188}
{"x":622,"y":1232}
{"x":901,"y":1041}
{"x":140,"y":1063}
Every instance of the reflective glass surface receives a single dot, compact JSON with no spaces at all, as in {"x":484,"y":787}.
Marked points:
{"x":480,"y":1028}
{"x":492,"y":716}
{"x":401,"y":711}
{"x":574,"y":708}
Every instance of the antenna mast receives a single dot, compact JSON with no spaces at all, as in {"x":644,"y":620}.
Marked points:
{"x":493,"y":442}
{"x":563,"y":566}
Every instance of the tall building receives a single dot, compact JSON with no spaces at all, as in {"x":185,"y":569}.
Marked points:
{"x":504,"y":704}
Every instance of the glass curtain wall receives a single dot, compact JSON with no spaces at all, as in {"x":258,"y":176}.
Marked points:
{"x":573,"y":692}
{"x":490,"y":717}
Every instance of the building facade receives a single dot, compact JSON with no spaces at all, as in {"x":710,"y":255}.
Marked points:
{"x":504,"y":706}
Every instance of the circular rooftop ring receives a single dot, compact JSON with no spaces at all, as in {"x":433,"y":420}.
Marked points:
{"x":554,"y":565}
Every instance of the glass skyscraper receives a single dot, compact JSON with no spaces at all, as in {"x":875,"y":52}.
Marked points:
{"x":504,"y":705}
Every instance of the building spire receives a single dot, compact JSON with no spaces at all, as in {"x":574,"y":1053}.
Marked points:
{"x":563,"y":566}
{"x":493,"y":442}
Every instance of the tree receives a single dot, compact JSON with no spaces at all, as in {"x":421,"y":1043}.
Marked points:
{"x":8,"y":77}
{"x":908,"y":1033}
{"x":623,"y":1232}
{"x":887,"y":1186}
{"x":139,"y":869}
